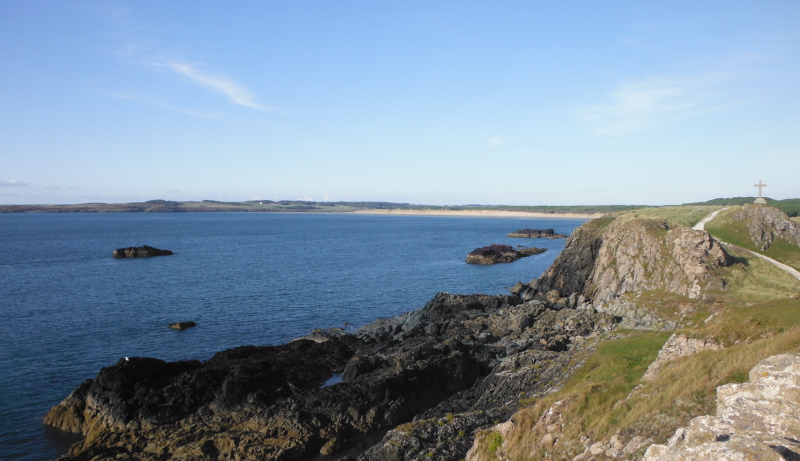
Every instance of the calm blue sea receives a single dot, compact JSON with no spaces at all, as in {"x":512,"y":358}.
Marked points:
{"x":67,"y":308}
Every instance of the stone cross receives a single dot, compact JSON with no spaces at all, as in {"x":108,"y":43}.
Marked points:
{"x":760,"y":200}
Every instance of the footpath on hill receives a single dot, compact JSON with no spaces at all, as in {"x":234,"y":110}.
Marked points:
{"x":702,"y":226}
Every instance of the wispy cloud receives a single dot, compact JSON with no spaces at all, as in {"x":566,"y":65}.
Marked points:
{"x":640,"y":105}
{"x":158,"y":103}
{"x":13,"y":183}
{"x":496,"y":141}
{"x":154,"y":55}
{"x":232,"y":90}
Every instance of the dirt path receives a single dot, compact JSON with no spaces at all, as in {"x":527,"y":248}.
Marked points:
{"x":702,"y":226}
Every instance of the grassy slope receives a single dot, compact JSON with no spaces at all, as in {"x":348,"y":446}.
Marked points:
{"x":758,"y":315}
{"x":728,"y":230}
{"x":679,"y":215}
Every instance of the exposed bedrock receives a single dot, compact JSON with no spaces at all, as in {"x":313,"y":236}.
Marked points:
{"x":759,"y":419}
{"x":764,"y":224}
{"x":607,"y":257}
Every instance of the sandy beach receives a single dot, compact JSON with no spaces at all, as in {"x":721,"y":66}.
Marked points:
{"x":482,"y":214}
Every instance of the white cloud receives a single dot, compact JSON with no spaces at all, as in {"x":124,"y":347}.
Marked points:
{"x":640,"y":105}
{"x":13,"y":183}
{"x":496,"y":141}
{"x":235,"y":93}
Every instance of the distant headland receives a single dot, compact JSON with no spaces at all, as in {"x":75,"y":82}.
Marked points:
{"x":788,"y":206}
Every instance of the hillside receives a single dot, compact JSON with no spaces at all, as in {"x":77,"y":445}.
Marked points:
{"x":606,"y":410}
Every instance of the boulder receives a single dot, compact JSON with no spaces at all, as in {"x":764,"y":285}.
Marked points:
{"x":180,"y":326}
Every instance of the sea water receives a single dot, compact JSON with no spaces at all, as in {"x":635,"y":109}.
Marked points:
{"x":68,"y":309}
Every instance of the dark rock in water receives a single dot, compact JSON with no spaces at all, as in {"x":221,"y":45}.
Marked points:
{"x":537,"y":234}
{"x":180,"y":326}
{"x":496,"y":253}
{"x":139,"y":252}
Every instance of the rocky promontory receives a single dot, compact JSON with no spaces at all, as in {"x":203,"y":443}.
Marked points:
{"x":139,"y":252}
{"x":496,"y":253}
{"x":537,"y":234}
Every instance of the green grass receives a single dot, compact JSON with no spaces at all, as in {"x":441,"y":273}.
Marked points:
{"x":752,"y":279}
{"x":590,"y":395}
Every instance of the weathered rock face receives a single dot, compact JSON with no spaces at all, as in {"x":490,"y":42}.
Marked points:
{"x":759,"y":419}
{"x":647,"y":254}
{"x":573,"y":267}
{"x":536,"y":234}
{"x":139,"y":252}
{"x":602,"y":263}
{"x":765,"y":224}
{"x":496,"y":253}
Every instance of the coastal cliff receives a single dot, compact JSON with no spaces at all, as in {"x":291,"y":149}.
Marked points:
{"x":467,"y":376}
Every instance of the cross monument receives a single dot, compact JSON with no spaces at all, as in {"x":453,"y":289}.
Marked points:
{"x":760,"y":200}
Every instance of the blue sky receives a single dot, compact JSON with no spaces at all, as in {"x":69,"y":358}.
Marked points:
{"x":435,"y":102}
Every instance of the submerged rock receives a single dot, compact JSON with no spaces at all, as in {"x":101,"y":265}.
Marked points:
{"x":496,"y":253}
{"x":180,"y":326}
{"x":537,"y":234}
{"x":139,"y":252}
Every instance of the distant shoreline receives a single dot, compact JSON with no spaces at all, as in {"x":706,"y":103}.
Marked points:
{"x":480,"y":214}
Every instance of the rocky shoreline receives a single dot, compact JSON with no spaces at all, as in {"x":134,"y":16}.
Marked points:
{"x":414,"y":387}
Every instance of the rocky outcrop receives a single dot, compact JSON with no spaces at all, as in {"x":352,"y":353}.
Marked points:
{"x":605,"y":260}
{"x":759,"y":419}
{"x":764,"y":224}
{"x":678,"y":346}
{"x":537,"y":234}
{"x":180,"y":326}
{"x":466,"y":360}
{"x":139,"y":252}
{"x":496,"y":253}
{"x":573,"y":267}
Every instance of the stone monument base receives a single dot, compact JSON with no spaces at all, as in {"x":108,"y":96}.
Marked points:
{"x":760,"y":201}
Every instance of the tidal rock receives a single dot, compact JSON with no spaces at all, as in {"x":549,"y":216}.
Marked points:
{"x":180,"y":326}
{"x":537,"y":234}
{"x":496,"y":253}
{"x":139,"y":252}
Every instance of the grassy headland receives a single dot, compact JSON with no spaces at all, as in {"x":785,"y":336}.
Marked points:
{"x":757,"y":315}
